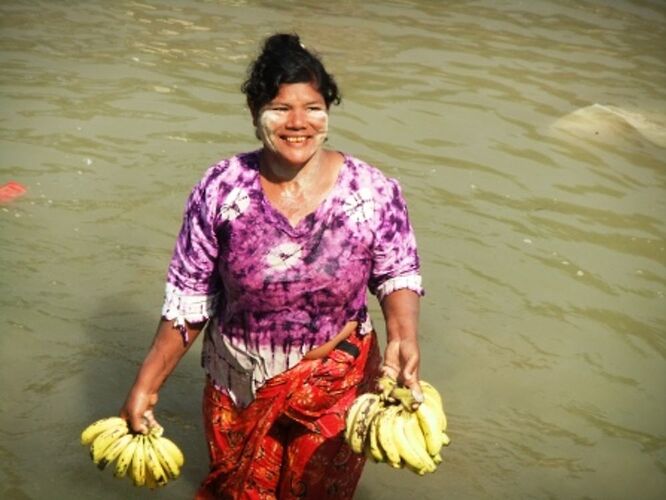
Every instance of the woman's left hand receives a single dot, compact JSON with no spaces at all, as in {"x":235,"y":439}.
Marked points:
{"x":401,"y":358}
{"x":401,"y":363}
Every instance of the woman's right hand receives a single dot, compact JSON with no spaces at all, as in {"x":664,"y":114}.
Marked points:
{"x":138,"y":410}
{"x":167,"y":349}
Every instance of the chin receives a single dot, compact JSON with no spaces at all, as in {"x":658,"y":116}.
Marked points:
{"x":294,"y":158}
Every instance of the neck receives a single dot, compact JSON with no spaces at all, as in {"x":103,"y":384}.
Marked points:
{"x":281,"y":173}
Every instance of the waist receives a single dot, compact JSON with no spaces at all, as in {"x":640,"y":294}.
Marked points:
{"x":340,"y":340}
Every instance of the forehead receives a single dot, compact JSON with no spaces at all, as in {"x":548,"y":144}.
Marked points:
{"x":298,"y":92}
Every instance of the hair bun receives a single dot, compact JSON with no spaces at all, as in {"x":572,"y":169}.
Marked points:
{"x":282,"y":41}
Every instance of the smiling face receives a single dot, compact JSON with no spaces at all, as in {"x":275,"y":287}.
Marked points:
{"x":293,"y":126}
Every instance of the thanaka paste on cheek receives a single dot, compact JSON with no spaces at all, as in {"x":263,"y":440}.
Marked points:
{"x":321,"y":118}
{"x":270,"y":120}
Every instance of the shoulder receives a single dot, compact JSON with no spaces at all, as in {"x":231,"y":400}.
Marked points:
{"x":361,"y":176}
{"x":221,"y":178}
{"x":232,"y":171}
{"x":226,"y":178}
{"x":365,"y":174}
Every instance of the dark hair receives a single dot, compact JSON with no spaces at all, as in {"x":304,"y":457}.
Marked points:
{"x":284,"y":59}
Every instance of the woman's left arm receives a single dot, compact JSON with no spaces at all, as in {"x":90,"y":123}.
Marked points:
{"x":401,"y":314}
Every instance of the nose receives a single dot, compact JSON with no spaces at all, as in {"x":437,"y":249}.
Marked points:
{"x":296,"y":119}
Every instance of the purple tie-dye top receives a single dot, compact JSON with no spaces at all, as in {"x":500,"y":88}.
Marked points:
{"x":274,"y":291}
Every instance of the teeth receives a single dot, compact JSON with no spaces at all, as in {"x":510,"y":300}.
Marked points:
{"x":295,"y":139}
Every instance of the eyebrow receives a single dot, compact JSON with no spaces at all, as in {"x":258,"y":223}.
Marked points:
{"x":309,"y":103}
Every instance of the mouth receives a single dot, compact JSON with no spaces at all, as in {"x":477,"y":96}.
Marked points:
{"x":299,"y":139}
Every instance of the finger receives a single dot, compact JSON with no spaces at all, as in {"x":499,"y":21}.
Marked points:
{"x":133,"y":422}
{"x":410,"y":378}
{"x":417,"y":392}
{"x":150,"y":420}
{"x":392,"y":354}
{"x":390,"y":370}
{"x":410,"y":372}
{"x":138,"y":424}
{"x":410,"y":367}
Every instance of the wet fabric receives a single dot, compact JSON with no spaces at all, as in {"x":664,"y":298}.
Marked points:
{"x":276,"y":290}
{"x":288,"y":443}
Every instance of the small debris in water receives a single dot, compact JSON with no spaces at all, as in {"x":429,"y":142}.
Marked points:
{"x":528,"y":241}
{"x":11,"y":191}
{"x":580,"y":273}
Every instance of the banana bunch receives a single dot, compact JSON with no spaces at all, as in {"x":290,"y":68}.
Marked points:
{"x":149,"y":460}
{"x":387,"y":428}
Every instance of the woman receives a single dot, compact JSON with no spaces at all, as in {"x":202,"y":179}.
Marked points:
{"x":275,"y":254}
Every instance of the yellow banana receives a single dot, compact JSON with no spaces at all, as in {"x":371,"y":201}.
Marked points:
{"x":125,"y":457}
{"x":371,"y":404}
{"x":416,"y":438}
{"x":104,"y":440}
{"x":446,"y":440}
{"x":385,"y":384}
{"x":150,"y":480}
{"x":171,"y":468}
{"x":154,"y":470}
{"x":374,"y":451}
{"x":385,"y":435}
{"x":431,"y":427}
{"x":113,"y":451}
{"x":138,"y":465}
{"x":405,"y":397}
{"x":438,"y":411}
{"x":96,"y":428}
{"x":173,"y":451}
{"x":411,"y":449}
{"x":429,"y":390}
{"x":156,"y":430}
{"x":434,"y":399}
{"x":352,"y":412}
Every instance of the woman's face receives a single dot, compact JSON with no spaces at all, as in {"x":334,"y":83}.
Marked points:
{"x":293,"y":126}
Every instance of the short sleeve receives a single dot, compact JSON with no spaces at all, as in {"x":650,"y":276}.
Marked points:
{"x":192,"y":281}
{"x":395,"y":256}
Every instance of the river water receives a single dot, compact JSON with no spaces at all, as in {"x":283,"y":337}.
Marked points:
{"x":528,"y":138}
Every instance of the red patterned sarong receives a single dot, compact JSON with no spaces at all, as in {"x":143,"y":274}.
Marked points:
{"x":288,"y":443}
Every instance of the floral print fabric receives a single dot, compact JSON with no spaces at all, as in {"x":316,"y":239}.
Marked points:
{"x":275,"y":291}
{"x":288,"y":443}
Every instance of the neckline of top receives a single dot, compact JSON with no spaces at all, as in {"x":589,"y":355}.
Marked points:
{"x":306,"y":222}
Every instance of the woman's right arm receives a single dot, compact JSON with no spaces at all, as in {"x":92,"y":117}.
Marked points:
{"x":165,"y":352}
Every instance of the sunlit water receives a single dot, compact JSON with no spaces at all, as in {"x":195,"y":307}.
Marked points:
{"x":542,"y":232}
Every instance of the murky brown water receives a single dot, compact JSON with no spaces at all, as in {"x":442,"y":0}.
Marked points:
{"x":542,"y":232}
